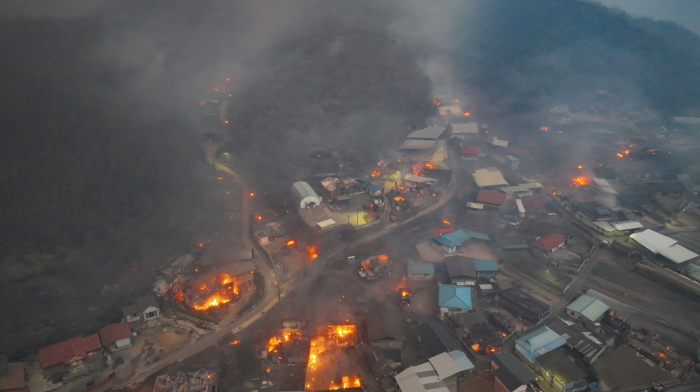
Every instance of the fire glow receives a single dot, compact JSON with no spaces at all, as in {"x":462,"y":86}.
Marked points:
{"x":290,"y":243}
{"x":581,"y":180}
{"x":623,"y":154}
{"x":311,"y":250}
{"x":226,"y":292}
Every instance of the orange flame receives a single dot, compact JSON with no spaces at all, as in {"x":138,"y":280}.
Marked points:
{"x":446,"y":222}
{"x":212,"y":300}
{"x":582,"y":180}
{"x":311,"y":250}
{"x":234,"y":342}
{"x":290,"y":243}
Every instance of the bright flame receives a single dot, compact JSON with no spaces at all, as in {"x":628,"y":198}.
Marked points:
{"x":258,"y":217}
{"x":252,"y":194}
{"x":446,"y":222}
{"x":212,"y":300}
{"x":234,"y":342}
{"x":475,"y":347}
{"x":544,"y":129}
{"x":466,"y":113}
{"x":383,"y":257}
{"x":581,"y":180}
{"x":580,"y":167}
{"x":311,"y":250}
{"x":290,"y":242}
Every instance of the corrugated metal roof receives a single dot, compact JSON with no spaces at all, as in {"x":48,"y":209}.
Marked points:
{"x":491,"y":197}
{"x":426,"y":133}
{"x":484,"y":177}
{"x":451,"y":296}
{"x":449,"y":364}
{"x":471,"y":127}
{"x":677,"y":254}
{"x":420,"y":268}
{"x":591,"y":308}
{"x":652,"y":240}
{"x":410,"y":381}
{"x":483,"y":265}
{"x":417,"y":144}
{"x":627,"y":225}
{"x":539,"y":342}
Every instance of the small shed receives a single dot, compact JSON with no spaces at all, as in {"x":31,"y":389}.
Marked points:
{"x":305,"y":195}
{"x":514,"y":162}
{"x":148,"y":306}
{"x":118,"y":333}
{"x":550,"y":242}
{"x":421,"y":271}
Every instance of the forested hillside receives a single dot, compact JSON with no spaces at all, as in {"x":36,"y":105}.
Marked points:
{"x":525,"y":56}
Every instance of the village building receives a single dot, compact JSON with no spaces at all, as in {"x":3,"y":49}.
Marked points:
{"x":485,"y":268}
{"x":142,"y":308}
{"x":510,"y":375}
{"x":461,"y":271}
{"x":118,"y":334}
{"x":549,"y":242}
{"x":71,"y":358}
{"x":470,"y":153}
{"x":521,"y":190}
{"x":537,"y":202}
{"x":305,"y":195}
{"x":523,"y":305}
{"x":538,"y":342}
{"x":13,"y":376}
{"x":588,"y":311}
{"x":514,"y":162}
{"x":385,"y":328}
{"x":495,"y":142}
{"x":588,"y":344}
{"x":433,"y":339}
{"x":449,"y":366}
{"x":659,"y":244}
{"x":421,"y":271}
{"x":666,"y":189}
{"x":489,"y":178}
{"x":422,"y":140}
{"x":454,"y":299}
{"x":449,"y":242}
{"x":561,"y":372}
{"x":421,"y":378}
{"x":491,"y":199}
{"x":464,"y":131}
{"x":513,"y":243}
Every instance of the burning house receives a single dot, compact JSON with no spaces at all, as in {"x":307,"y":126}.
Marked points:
{"x":329,"y":367}
{"x":220,"y":287}
{"x":371,"y":267}
{"x":201,"y":381}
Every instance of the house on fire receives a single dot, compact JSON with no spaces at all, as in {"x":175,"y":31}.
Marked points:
{"x":71,"y":358}
{"x":455,"y":299}
{"x":142,"y":308}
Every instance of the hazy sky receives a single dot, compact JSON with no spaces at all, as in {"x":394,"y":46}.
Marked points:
{"x":684,"y":12}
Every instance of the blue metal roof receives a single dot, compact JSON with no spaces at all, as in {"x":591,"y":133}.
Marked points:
{"x":372,"y":187}
{"x":482,"y":265}
{"x":457,"y":237}
{"x":451,"y":296}
{"x":538,"y":342}
{"x":420,"y":268}
{"x":591,"y":308}
{"x":461,"y":360}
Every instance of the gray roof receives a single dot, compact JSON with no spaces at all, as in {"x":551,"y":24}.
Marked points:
{"x":420,"y":268}
{"x":449,"y":364}
{"x":512,"y":365}
{"x":460,"y":267}
{"x":146,"y":301}
{"x":559,"y":364}
{"x":128,"y":310}
{"x":427,"y":133}
{"x":589,"y":307}
{"x":434,"y":339}
{"x":385,"y":324}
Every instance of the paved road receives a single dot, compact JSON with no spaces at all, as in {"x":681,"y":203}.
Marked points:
{"x":271,"y":297}
{"x":576,"y":284}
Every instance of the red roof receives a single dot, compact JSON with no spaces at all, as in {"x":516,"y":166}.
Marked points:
{"x":114,"y":332}
{"x":469,"y":150}
{"x":539,"y":201}
{"x":491,"y":197}
{"x":443,"y":231}
{"x":549,"y":242}
{"x":66,"y":351}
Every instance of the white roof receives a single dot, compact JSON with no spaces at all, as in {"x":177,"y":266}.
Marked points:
{"x":426,"y":133}
{"x":498,"y":142}
{"x":604,"y":225}
{"x":485,"y":177}
{"x":601,"y":182}
{"x":455,"y":110}
{"x":477,"y":206}
{"x":677,"y":253}
{"x":514,"y":188}
{"x":471,"y":127}
{"x":428,"y":381}
{"x":417,"y":144}
{"x":653,"y":240}
{"x":449,"y":364}
{"x":521,"y":208}
{"x":627,"y":225}
{"x":589,"y":307}
{"x":532,"y":185}
{"x":607,"y":189}
{"x":326,"y":223}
